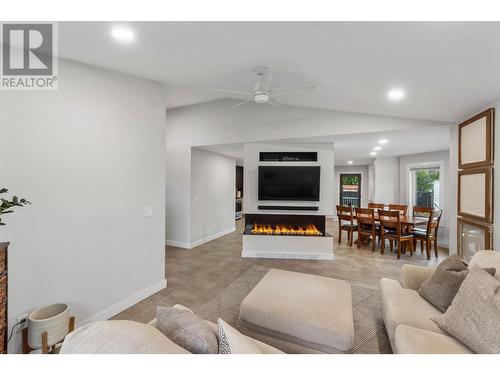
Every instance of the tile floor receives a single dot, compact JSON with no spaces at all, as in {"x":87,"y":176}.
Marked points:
{"x":196,"y":276}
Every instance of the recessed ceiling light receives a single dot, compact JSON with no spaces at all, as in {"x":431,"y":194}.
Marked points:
{"x":123,"y":34}
{"x":395,"y":94}
{"x":382,"y":141}
{"x":349,"y":162}
{"x":373,"y":153}
{"x":377,"y":148}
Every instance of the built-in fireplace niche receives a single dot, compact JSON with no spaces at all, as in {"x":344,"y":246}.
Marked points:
{"x":285,"y":225}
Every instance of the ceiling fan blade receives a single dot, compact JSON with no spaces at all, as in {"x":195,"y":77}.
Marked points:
{"x":274,"y":103}
{"x":289,"y":90}
{"x":237,"y":105}
{"x":232,"y":92}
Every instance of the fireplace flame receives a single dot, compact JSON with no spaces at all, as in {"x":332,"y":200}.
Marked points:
{"x":308,"y":230}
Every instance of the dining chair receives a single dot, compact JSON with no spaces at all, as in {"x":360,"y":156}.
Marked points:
{"x":376,"y":206}
{"x":367,"y":226}
{"x":345,"y":215}
{"x":429,"y":235}
{"x":422,"y":212}
{"x":402,"y":208}
{"x":390,"y":229}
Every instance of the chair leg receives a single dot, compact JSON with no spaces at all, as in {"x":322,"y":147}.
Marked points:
{"x":360,"y":239}
{"x":427,"y":249}
{"x":340,"y":234}
{"x":436,"y":247}
{"x":391,"y":245}
{"x":399,"y":249}
{"x":374,"y":241}
{"x":351,"y":239}
{"x":411,"y":248}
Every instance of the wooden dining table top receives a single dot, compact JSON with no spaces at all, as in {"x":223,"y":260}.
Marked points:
{"x":404,"y":219}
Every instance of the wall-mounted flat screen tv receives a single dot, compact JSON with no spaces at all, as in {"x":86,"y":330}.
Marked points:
{"x":289,"y":183}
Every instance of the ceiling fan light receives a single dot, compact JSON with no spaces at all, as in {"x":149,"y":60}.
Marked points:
{"x":261,"y":98}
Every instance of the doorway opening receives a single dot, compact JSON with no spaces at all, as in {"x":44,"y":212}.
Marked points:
{"x":350,"y":189}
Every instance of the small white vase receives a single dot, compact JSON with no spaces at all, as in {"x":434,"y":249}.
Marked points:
{"x":53,"y":319}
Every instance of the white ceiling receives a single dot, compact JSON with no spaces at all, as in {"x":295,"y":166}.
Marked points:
{"x":448,"y":69}
{"x":357,"y":147}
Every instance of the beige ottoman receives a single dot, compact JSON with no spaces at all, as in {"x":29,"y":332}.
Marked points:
{"x":300,"y":313}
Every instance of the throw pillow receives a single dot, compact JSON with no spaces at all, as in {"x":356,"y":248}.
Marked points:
{"x":442,"y":286}
{"x":474,"y":315}
{"x":187,"y":330}
{"x":233,"y":342}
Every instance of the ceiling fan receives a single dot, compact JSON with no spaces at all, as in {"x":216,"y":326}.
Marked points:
{"x":262,"y":92}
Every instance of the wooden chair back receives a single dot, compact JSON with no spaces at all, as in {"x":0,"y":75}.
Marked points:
{"x":390,"y":220}
{"x":365,"y":216}
{"x":402,"y":208}
{"x":345,"y":213}
{"x":376,"y":206}
{"x":422,"y":211}
{"x":434,"y":221}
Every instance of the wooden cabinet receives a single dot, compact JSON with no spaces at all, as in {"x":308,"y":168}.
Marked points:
{"x":3,"y":297}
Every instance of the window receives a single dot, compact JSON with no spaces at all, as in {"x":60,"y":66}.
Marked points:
{"x":424,"y":187}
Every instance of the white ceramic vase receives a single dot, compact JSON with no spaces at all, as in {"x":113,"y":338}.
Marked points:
{"x":53,"y":319}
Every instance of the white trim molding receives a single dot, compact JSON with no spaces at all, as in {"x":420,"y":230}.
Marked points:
{"x":124,"y":304}
{"x":190,"y":245}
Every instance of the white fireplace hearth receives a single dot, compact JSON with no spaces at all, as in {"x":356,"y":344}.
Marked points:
{"x":286,"y":237}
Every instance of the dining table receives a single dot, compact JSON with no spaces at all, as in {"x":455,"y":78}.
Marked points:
{"x":403,"y":219}
{"x":407,"y":221}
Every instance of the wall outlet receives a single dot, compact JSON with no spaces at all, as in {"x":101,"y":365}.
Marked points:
{"x":22,"y":325}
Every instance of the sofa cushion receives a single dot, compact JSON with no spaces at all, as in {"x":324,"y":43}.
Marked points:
{"x":405,"y":306}
{"x":411,"y":340}
{"x":118,"y":337}
{"x":440,"y":288}
{"x":309,"y":310}
{"x":486,"y":259}
{"x":474,"y":316}
{"x":233,"y":342}
{"x":187,"y":330}
{"x":263,"y":347}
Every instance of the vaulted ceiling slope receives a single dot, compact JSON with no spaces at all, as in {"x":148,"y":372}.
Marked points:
{"x":447,"y":69}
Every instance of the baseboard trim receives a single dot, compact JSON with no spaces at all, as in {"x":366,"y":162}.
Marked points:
{"x":124,"y":304}
{"x":181,"y":244}
{"x":212,"y":237}
{"x":190,"y":245}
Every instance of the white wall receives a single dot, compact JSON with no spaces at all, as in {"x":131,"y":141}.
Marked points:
{"x":211,"y":124}
{"x":213,"y":181}
{"x":250,"y":181}
{"x":363,"y":170}
{"x":90,"y":157}
{"x":386,"y":180}
{"x":442,"y":160}
{"x":454,"y":180}
{"x":371,"y":182}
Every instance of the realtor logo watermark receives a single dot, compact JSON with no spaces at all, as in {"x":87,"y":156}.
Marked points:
{"x":29,"y":58}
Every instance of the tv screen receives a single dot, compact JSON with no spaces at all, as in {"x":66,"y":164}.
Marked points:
{"x":289,"y":183}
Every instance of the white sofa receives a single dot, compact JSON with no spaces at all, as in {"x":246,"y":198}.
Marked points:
{"x":407,"y":316}
{"x":129,"y":337}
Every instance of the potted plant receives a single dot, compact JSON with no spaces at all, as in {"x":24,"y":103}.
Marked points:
{"x":6,"y":206}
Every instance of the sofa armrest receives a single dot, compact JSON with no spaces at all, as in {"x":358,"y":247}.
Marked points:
{"x":413,"y":276}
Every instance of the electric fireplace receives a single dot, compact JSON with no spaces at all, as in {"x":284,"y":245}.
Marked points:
{"x":286,"y":237}
{"x":285,"y":225}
